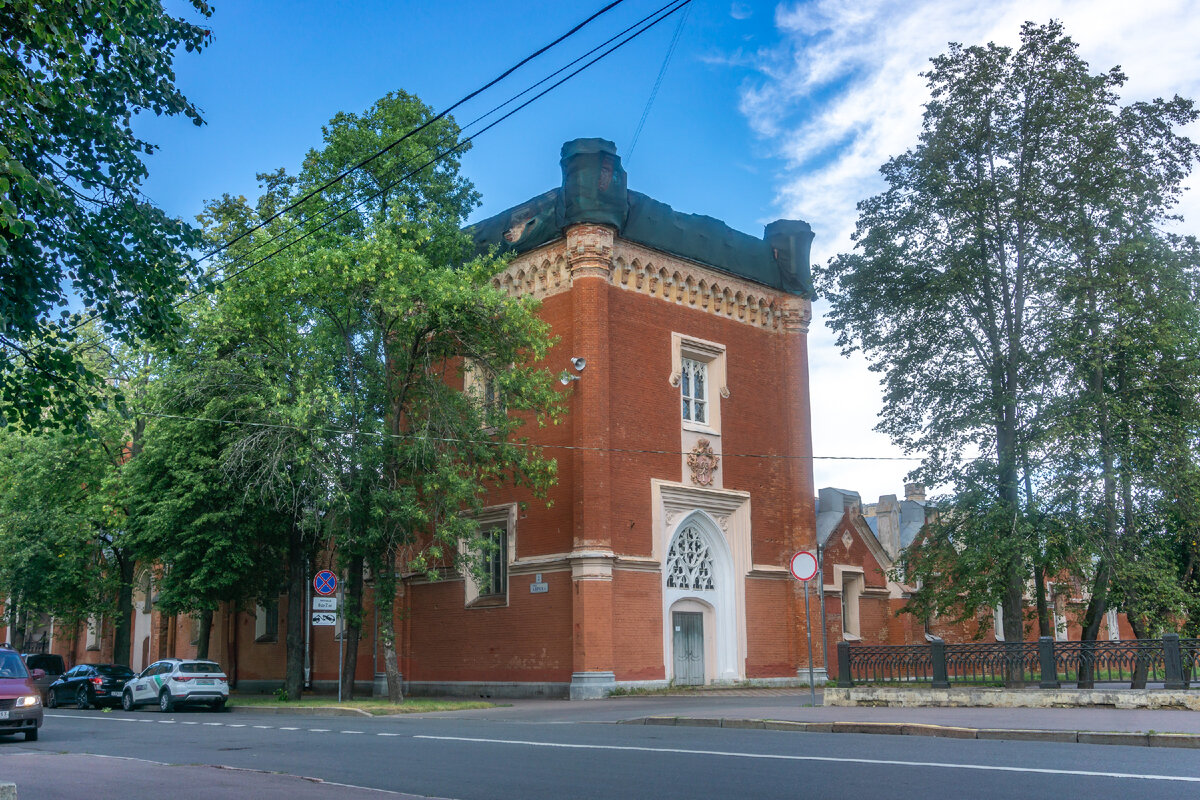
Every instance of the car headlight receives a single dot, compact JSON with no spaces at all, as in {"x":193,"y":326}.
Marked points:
{"x":28,"y":700}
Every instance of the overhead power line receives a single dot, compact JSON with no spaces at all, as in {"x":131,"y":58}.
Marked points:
{"x":641,"y":27}
{"x":657,"y":83}
{"x":342,"y":175}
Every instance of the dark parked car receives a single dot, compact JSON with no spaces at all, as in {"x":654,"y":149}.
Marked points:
{"x":49,"y":663}
{"x":90,"y":685}
{"x":20,"y":703}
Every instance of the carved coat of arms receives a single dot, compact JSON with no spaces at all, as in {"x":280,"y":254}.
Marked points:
{"x":703,"y":463}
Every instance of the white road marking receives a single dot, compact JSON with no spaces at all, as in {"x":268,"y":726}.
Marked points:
{"x":264,"y":727}
{"x":233,"y":725}
{"x":187,"y":722}
{"x":318,"y":730}
{"x":289,"y":729}
{"x":829,"y":759}
{"x":351,"y":731}
{"x":389,"y":734}
{"x":166,"y":722}
{"x":214,"y":724}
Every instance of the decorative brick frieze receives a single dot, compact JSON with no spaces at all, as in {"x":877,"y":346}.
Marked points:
{"x":593,"y":250}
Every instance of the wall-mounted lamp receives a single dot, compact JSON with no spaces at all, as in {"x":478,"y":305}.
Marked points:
{"x":567,"y":377}
{"x":578,"y":362}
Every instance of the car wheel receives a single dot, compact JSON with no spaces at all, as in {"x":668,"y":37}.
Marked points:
{"x":51,"y":699}
{"x":127,"y":700}
{"x":81,"y":698}
{"x":31,"y":735}
{"x":218,"y":706}
{"x":165,"y":703}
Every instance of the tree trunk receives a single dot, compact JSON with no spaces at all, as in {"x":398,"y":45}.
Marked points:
{"x":1098,"y":604}
{"x":1039,"y":563}
{"x":385,"y":598}
{"x":16,"y":617}
{"x":353,"y":630}
{"x":1014,"y":573}
{"x":1142,"y":665}
{"x":297,"y":615}
{"x":1045,"y":627}
{"x":205,"y":620}
{"x":122,"y":625}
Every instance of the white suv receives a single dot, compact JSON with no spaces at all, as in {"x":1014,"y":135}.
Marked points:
{"x":173,"y":682}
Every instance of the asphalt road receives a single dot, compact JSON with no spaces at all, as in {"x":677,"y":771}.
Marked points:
{"x":468,"y":758}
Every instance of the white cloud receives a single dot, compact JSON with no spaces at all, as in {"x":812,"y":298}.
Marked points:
{"x":740,"y":11}
{"x":842,"y":93}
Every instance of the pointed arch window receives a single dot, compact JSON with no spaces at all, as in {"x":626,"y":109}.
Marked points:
{"x":690,"y":563}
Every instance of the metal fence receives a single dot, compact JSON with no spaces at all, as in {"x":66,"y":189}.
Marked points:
{"x":1171,"y":661}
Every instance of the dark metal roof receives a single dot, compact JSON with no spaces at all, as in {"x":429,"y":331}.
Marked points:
{"x":594,"y":190}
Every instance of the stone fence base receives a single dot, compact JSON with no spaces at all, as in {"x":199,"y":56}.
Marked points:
{"x":967,"y":696}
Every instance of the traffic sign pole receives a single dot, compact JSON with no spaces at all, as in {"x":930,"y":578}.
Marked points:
{"x":812,"y":688}
{"x":804,"y":567}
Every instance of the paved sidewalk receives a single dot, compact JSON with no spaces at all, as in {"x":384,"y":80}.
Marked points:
{"x":793,"y":705}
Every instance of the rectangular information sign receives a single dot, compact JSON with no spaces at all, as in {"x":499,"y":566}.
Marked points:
{"x":324,"y":604}
{"x":324,"y":618}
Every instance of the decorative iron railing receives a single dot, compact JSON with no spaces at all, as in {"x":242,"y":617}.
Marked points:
{"x":991,"y":662}
{"x":1171,"y":661}
{"x":885,"y":664}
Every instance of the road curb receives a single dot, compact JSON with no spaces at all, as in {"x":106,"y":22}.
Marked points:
{"x":1129,"y":739}
{"x":310,"y":711}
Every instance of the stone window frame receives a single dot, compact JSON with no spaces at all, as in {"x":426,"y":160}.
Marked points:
{"x":479,"y":381}
{"x":713,"y":356}
{"x":851,"y":585}
{"x":998,"y":622}
{"x":502,"y":517}
{"x":1114,"y":624}
{"x":266,"y":622}
{"x":94,"y":626}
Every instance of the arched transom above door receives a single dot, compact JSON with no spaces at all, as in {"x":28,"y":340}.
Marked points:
{"x":689,"y":562}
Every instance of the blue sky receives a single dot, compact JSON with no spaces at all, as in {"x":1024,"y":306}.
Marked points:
{"x":767,"y":110}
{"x":276,"y":71}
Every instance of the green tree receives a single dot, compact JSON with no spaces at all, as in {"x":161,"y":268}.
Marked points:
{"x":50,"y":548}
{"x":74,"y":227}
{"x":956,"y":291}
{"x":212,"y":542}
{"x":378,"y":317}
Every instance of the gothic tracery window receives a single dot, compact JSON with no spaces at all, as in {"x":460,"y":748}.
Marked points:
{"x":689,"y":564}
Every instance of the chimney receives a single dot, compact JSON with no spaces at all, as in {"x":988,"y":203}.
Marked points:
{"x":914,"y":492}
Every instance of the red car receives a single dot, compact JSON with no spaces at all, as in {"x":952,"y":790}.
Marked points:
{"x":20,"y":701}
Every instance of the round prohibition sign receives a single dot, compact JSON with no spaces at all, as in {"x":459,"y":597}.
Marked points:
{"x":325,"y":583}
{"x":804,"y":566}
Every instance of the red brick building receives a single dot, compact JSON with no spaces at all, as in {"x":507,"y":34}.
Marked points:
{"x":684,"y":470}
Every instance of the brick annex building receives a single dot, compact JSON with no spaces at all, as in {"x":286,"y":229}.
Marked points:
{"x":685,"y":479}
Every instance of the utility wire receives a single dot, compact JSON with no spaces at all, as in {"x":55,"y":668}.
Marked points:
{"x":677,"y":5}
{"x":657,"y":83}
{"x":332,"y":203}
{"x":459,"y":440}
{"x":342,"y":175}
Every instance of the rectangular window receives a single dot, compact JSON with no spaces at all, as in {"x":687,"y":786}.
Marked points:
{"x":495,"y":563}
{"x":693,"y":386}
{"x":266,"y":621}
{"x":852,"y":586}
{"x":1114,"y":625}
{"x":484,"y":387}
{"x":1060,"y":618}
{"x":95,"y":624}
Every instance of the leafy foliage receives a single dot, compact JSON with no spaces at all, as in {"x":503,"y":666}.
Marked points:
{"x":1014,"y":287}
{"x":74,"y":227}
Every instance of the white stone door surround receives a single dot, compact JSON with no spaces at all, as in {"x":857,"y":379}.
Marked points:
{"x":721,"y":519}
